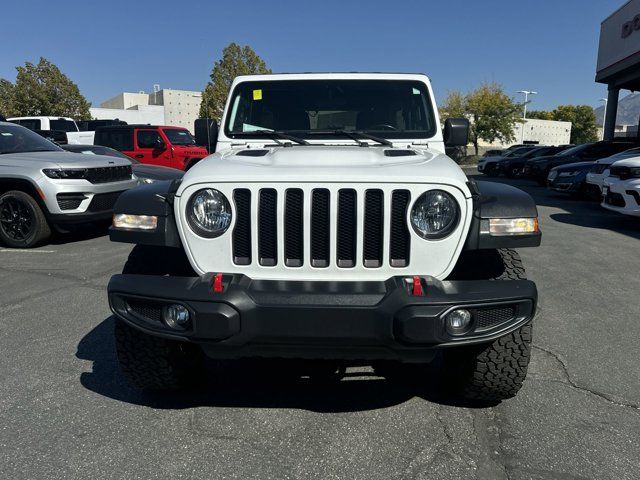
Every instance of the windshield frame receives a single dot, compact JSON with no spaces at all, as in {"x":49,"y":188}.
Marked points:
{"x":38,"y":140}
{"x":330,"y":133}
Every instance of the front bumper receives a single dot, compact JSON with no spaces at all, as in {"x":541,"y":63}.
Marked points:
{"x":622,"y":196}
{"x":332,"y":320}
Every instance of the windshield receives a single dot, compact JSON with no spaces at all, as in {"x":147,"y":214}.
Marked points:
{"x":17,"y":139}
{"x":179,"y":137}
{"x":573,"y":150}
{"x":517,"y":152}
{"x":63,"y":125}
{"x":320,"y":108}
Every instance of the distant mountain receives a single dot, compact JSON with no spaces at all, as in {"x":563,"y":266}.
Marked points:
{"x":628,"y":110}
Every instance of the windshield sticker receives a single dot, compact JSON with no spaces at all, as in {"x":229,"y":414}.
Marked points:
{"x":247,"y":127}
{"x":257,"y":94}
{"x":416,"y":91}
{"x":7,"y":134}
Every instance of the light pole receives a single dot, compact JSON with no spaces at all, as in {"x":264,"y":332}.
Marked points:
{"x":604,"y":116}
{"x":524,"y":114}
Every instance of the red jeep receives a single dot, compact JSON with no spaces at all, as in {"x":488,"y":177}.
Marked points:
{"x":156,"y":145}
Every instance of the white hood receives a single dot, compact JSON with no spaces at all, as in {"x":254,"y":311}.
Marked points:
{"x":337,"y":164}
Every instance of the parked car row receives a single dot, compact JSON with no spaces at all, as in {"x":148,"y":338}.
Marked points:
{"x":608,"y":171}
{"x":46,"y":187}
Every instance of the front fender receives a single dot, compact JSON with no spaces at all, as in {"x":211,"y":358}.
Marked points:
{"x":498,"y":200}
{"x":155,"y":199}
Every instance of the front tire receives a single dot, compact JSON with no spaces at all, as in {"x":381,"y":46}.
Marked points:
{"x":22,"y":222}
{"x":495,"y":371}
{"x":151,"y":363}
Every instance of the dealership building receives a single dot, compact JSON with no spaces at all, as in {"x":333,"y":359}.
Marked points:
{"x":178,"y":108}
{"x":619,"y":58}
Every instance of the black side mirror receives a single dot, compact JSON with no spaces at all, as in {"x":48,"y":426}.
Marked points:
{"x":206,"y":133}
{"x":456,"y":132}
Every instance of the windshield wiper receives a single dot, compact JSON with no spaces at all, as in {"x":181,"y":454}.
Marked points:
{"x":276,"y":135}
{"x":353,"y":134}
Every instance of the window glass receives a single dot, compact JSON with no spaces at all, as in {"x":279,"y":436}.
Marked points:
{"x":63,"y":125}
{"x":148,"y":138}
{"x":120,"y":139}
{"x":179,"y":137}
{"x":17,"y":139}
{"x":388,"y":108}
{"x":31,"y":124}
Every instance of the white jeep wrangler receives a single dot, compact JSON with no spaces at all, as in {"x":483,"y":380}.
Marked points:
{"x":329,"y":225}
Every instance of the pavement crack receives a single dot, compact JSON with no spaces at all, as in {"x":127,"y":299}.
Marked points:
{"x":570,"y":382}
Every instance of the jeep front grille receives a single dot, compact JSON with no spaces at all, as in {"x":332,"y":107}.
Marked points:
{"x":322,"y":224}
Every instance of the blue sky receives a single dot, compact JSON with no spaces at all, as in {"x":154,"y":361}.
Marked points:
{"x":108,"y":47}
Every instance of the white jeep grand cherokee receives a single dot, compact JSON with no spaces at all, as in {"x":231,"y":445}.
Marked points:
{"x":43,"y":187}
{"x":330,"y":225}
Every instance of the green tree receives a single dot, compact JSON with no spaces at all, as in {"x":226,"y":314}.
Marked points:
{"x":236,"y":60}
{"x":453,"y":106}
{"x":540,"y":114}
{"x":43,"y":89}
{"x":583,"y":122}
{"x":493,"y":114}
{"x":6,"y":98}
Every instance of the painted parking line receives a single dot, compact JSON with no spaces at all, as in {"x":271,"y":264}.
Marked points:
{"x":24,"y":250}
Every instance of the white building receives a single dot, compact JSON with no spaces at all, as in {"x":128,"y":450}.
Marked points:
{"x":162,"y":107}
{"x":542,"y":132}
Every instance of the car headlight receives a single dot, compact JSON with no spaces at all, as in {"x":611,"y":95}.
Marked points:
{"x":435,"y":214}
{"x":208,"y":213}
{"x":65,"y":173}
{"x":552,"y":175}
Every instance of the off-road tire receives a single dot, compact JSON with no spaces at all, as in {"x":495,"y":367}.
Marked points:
{"x":38,"y":234}
{"x":493,"y":372}
{"x":151,"y":363}
{"x":496,"y":264}
{"x":155,"y":364}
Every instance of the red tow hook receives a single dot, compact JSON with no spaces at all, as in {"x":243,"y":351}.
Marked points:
{"x":417,"y":290}
{"x":217,"y":283}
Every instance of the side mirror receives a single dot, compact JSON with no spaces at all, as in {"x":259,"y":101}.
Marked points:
{"x":206,"y":130}
{"x":456,"y":132}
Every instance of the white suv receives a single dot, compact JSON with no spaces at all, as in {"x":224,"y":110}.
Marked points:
{"x":56,"y":124}
{"x":42,"y":186}
{"x":328,"y":225}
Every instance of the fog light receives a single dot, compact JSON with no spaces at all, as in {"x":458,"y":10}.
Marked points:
{"x":458,"y":321}
{"x":176,"y":316}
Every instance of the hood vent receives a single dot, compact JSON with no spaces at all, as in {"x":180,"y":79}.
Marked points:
{"x":399,"y":153}
{"x":252,"y":153}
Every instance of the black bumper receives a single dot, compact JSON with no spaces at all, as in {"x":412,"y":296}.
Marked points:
{"x":333,"y":320}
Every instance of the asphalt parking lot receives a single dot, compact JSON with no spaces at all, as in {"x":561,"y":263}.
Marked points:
{"x":66,"y":411}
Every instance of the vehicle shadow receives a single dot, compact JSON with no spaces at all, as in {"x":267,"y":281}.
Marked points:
{"x":79,"y":233}
{"x":260,"y":384}
{"x":579,"y":212}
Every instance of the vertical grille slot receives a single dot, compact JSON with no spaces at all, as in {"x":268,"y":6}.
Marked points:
{"x":400,"y":241}
{"x":293,"y":227}
{"x":267,"y":228}
{"x":242,"y":229}
{"x":320,"y":228}
{"x":373,"y":228}
{"x":347,"y":228}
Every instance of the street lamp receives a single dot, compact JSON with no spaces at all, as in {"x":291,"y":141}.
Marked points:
{"x":604,"y":115}
{"x":526,"y":94}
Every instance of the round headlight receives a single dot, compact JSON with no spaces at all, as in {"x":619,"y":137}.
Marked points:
{"x":434,"y":214}
{"x":208,"y":213}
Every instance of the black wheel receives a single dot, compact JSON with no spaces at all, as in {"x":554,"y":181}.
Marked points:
{"x":501,"y":264}
{"x":495,"y":371}
{"x":22,"y":223}
{"x":490,"y":170}
{"x":148,"y":362}
{"x":513,"y":172}
{"x":152,"y":363}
